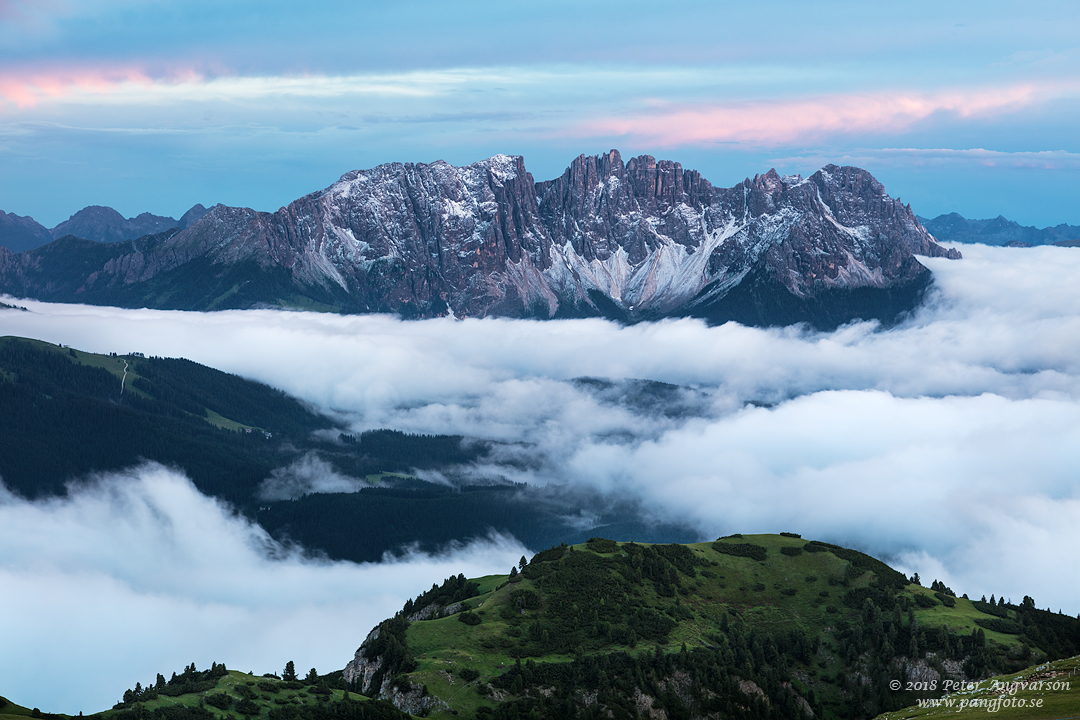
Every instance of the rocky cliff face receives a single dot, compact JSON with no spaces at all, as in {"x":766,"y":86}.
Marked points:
{"x":361,"y":670}
{"x":370,"y":676}
{"x":637,"y":240}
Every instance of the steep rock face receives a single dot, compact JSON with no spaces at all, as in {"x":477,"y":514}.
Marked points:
{"x":627,"y":231}
{"x":421,"y":236}
{"x":637,"y":240}
{"x":660,"y":241}
{"x":372,"y":678}
{"x":362,"y":670}
{"x":383,"y":240}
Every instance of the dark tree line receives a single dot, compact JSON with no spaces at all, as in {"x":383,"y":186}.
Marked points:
{"x":453,"y":590}
{"x":190,"y":681}
{"x":688,"y":683}
{"x":361,"y":526}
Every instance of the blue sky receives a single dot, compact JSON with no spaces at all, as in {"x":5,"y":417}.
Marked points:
{"x":154,"y":105}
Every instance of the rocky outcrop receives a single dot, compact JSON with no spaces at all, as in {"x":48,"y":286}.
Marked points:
{"x":435,"y":610}
{"x":414,"y":700}
{"x":643,"y":239}
{"x":362,"y":670}
{"x":372,"y":679}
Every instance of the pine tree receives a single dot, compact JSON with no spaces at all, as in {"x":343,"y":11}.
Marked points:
{"x":290,"y":671}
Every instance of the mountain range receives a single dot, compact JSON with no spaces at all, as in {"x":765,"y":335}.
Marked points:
{"x":636,"y":240}
{"x":999,"y":231}
{"x":94,"y":222}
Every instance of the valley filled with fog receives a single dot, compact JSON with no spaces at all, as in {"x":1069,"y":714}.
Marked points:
{"x":948,"y":445}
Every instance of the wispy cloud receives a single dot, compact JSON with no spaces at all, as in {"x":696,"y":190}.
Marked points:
{"x":136,"y":86}
{"x":786,"y":121}
{"x":937,"y":157}
{"x":27,"y":91}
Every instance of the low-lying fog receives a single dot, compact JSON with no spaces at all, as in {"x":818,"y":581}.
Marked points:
{"x":949,"y":445}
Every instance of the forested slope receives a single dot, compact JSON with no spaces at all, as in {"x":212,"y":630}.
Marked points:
{"x":764,"y":626}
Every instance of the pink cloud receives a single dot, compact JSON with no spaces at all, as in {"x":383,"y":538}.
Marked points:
{"x":798,"y":120}
{"x":28,"y":88}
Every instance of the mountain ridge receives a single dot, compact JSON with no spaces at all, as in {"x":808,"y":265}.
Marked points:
{"x":98,"y":223}
{"x":630,"y":241}
{"x":953,"y":227}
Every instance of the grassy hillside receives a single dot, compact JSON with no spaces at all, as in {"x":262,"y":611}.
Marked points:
{"x":66,"y":413}
{"x":755,"y":626}
{"x":11,"y":711}
{"x":1050,"y":691}
{"x":220,"y":694}
{"x":228,"y":694}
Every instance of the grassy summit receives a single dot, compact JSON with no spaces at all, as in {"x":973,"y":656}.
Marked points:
{"x":754,"y":626}
{"x":757,"y":626}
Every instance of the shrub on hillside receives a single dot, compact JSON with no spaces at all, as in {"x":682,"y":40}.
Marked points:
{"x":946,"y":600}
{"x":469,"y":618}
{"x":219,"y":700}
{"x":602,"y":545}
{"x":749,"y":550}
{"x":1009,"y":627}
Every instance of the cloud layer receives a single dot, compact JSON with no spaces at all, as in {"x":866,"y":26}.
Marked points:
{"x":138,"y":573}
{"x":949,"y":445}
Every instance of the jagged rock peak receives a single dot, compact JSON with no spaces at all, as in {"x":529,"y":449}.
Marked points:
{"x":640,"y":239}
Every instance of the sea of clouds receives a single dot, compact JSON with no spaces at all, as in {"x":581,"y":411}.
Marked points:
{"x":948,"y":445}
